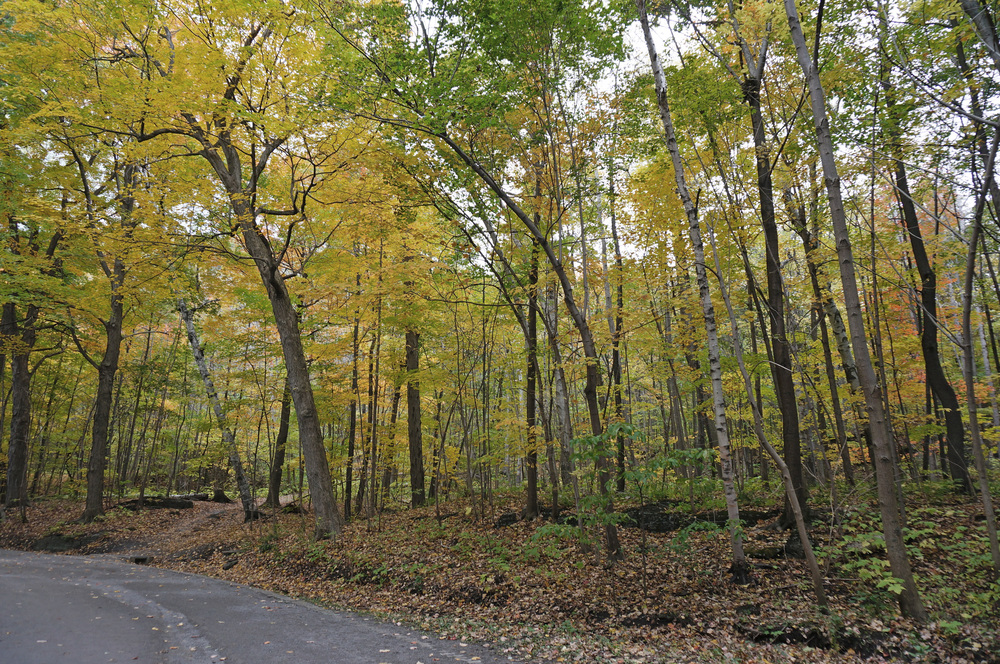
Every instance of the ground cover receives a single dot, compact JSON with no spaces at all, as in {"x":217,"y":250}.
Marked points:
{"x":530,"y":589}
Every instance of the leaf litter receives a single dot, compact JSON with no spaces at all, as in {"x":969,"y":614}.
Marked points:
{"x":536,"y":596}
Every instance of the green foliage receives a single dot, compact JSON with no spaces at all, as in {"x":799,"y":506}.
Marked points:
{"x":268,"y":543}
{"x":681,"y":541}
{"x":316,"y":552}
{"x":595,"y":508}
{"x":547,"y":542}
{"x":753,"y":492}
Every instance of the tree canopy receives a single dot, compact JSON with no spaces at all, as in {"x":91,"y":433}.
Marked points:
{"x":611,"y":250}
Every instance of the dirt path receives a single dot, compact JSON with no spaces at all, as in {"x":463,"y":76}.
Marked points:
{"x":179,"y":534}
{"x":203,"y":516}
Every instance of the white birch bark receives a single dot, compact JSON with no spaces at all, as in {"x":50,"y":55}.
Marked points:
{"x":228,"y":436}
{"x":740,"y":570}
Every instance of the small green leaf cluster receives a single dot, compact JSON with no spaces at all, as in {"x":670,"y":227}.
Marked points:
{"x":681,"y":541}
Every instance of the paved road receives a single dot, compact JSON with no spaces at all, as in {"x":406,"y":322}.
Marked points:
{"x":87,"y":610}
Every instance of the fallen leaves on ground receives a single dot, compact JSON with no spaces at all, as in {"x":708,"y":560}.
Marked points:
{"x":535,"y":596}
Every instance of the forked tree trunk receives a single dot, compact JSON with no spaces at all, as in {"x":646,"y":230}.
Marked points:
{"x":938,"y":382}
{"x":217,"y":147}
{"x":909,"y":599}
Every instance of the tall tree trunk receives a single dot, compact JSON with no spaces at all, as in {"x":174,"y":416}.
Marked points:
{"x":615,"y":327}
{"x":375,"y":358}
{"x":413,"y":424}
{"x":936,"y":378}
{"x":781,"y":365}
{"x":20,"y":416}
{"x":561,"y":409}
{"x":739,"y":568}
{"x":353,"y":417}
{"x":21,"y":340}
{"x":531,"y":398}
{"x":970,"y":389}
{"x":909,"y":599}
{"x":969,"y":364}
{"x":106,"y":371}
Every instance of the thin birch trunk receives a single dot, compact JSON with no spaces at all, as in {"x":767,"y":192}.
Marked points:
{"x":786,"y":476}
{"x":246,"y":498}
{"x":739,"y":569}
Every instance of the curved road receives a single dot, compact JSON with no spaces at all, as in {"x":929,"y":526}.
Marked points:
{"x":87,"y":610}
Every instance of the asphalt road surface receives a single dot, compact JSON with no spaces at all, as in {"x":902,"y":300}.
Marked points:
{"x":87,"y":610}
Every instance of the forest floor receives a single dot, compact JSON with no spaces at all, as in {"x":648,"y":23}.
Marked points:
{"x":532,"y":591}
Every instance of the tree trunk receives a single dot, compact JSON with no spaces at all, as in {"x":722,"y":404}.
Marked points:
{"x":278,"y":460}
{"x":20,"y":423}
{"x":615,"y":324}
{"x":969,"y":364}
{"x":781,"y":366}
{"x":564,"y":420}
{"x":106,"y":371}
{"x":413,"y":424}
{"x":20,"y":415}
{"x":249,"y":509}
{"x":353,"y":417}
{"x":985,"y":28}
{"x":375,"y":358}
{"x":909,"y":599}
{"x":936,"y":378}
{"x":739,"y":569}
{"x":531,"y":398}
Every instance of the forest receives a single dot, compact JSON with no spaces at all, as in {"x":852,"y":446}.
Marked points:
{"x":585,"y":264}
